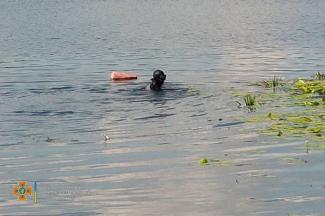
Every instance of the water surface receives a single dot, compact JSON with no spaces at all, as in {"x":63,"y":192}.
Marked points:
{"x":57,"y":105}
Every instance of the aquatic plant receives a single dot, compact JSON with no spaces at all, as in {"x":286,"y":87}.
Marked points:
{"x":275,"y":82}
{"x":310,"y":86}
{"x":311,"y":103}
{"x":319,"y":76}
{"x":217,"y":162}
{"x":204,"y":161}
{"x":250,"y":102}
{"x":298,"y":110}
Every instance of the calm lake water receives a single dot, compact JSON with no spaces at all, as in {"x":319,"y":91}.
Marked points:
{"x":57,"y":105}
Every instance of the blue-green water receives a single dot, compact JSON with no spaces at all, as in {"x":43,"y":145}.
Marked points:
{"x":57,"y":105}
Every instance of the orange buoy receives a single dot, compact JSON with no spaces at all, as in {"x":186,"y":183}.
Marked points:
{"x":121,"y":75}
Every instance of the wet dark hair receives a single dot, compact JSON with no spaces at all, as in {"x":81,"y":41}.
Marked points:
{"x":157,"y":80}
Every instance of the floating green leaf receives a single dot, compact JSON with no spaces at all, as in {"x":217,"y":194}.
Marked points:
{"x":311,"y":103}
{"x":204,"y":161}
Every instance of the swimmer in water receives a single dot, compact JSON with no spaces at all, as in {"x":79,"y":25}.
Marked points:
{"x":157,"y":80}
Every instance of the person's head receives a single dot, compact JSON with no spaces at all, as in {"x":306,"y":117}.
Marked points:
{"x":157,"y":80}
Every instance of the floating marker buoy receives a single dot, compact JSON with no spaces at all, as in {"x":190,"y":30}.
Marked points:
{"x":121,"y":75}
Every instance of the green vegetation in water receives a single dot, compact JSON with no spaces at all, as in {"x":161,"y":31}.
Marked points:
{"x":275,"y":82}
{"x":311,"y":103}
{"x":218,"y":162}
{"x":319,"y":76}
{"x":310,"y":86}
{"x":250,"y":102}
{"x":204,"y":161}
{"x":297,"y":110}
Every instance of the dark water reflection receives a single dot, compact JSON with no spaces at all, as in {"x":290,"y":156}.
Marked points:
{"x":57,"y":105}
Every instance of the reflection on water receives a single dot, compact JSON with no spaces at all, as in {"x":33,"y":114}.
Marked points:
{"x":57,"y":106}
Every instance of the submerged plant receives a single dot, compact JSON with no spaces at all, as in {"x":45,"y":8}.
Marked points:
{"x":319,"y":76}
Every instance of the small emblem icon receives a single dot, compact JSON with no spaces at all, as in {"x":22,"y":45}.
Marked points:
{"x":22,"y":190}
